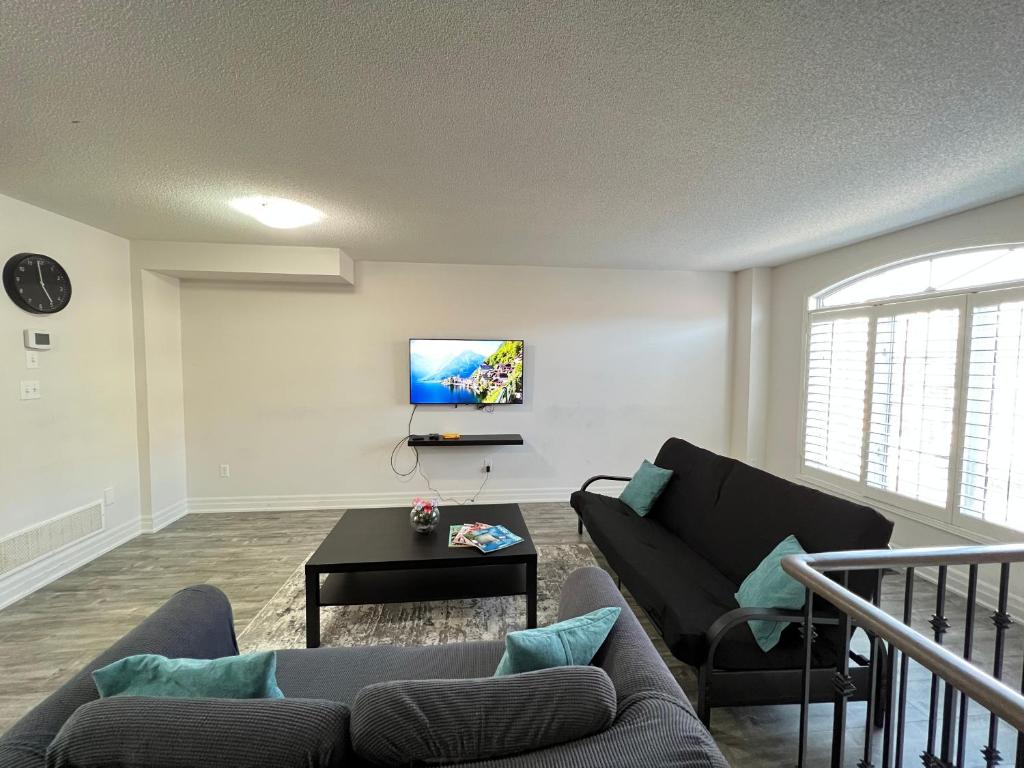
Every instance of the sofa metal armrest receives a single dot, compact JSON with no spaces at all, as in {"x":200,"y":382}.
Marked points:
{"x":727,"y":621}
{"x":595,"y":478}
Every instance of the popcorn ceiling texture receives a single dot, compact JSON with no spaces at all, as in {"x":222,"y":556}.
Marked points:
{"x":708,"y":135}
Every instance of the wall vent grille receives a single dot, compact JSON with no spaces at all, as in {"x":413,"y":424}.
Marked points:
{"x":26,"y":546}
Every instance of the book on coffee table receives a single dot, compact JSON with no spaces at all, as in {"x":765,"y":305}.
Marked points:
{"x":457,"y":533}
{"x":453,"y":532}
{"x":492,"y":539}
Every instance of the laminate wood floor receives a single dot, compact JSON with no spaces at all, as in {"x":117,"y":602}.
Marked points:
{"x":49,"y":635}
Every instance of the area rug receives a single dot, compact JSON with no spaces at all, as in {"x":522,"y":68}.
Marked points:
{"x":281,"y":623}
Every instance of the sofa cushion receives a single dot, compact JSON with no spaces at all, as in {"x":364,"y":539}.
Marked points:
{"x":768,"y":586}
{"x":415,"y":722}
{"x":250,"y":676}
{"x":652,"y":731}
{"x":656,"y":564}
{"x":646,"y":486}
{"x":338,"y":674}
{"x":684,"y":594}
{"x":689,"y":498}
{"x":134,"y":732}
{"x":756,"y":511}
{"x":566,"y":643}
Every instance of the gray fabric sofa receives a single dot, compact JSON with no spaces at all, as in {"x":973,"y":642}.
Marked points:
{"x":654,"y":723}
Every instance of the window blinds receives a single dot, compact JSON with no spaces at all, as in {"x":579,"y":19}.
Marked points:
{"x":836,"y":384}
{"x":992,"y":471}
{"x":912,"y":403}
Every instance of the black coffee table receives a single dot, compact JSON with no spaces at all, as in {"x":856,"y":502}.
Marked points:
{"x":374,"y":556}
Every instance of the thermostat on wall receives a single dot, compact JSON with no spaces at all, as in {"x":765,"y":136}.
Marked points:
{"x":37,"y":339}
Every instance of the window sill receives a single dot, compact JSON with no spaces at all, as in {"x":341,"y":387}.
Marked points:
{"x":1009,"y":535}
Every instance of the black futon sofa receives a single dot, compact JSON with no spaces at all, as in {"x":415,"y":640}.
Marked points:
{"x":683,"y":563}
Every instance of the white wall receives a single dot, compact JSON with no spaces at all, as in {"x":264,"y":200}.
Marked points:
{"x":751,"y":364}
{"x":162,"y":405}
{"x":61,"y":451}
{"x":156,"y":299}
{"x":303,"y":390}
{"x":793,"y":284}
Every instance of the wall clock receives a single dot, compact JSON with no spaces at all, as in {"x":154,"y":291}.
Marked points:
{"x":37,"y":283}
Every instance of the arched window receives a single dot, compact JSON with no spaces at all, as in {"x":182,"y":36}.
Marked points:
{"x":915,"y":386}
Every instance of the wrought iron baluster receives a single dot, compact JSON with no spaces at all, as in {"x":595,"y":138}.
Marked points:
{"x":827,"y":575}
{"x":946,"y":743}
{"x":843,"y":685}
{"x":949,"y":699}
{"x":972,"y":599}
{"x":805,"y":701}
{"x":869,"y":726}
{"x":1002,"y":621}
{"x":1020,"y":734}
{"x":901,"y":707}
{"x":890,"y":708}
{"x":939,"y":627}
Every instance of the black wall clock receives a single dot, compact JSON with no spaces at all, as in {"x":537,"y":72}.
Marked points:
{"x":37,"y":283}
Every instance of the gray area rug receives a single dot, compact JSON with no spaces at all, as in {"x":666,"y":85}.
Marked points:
{"x":281,"y":623}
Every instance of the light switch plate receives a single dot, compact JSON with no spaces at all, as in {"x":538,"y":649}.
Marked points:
{"x":31,"y":358}
{"x":30,"y":390}
{"x":108,"y":496}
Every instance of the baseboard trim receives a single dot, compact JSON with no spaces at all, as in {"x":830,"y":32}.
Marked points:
{"x":169,"y":514}
{"x":24,"y":581}
{"x":300,"y":502}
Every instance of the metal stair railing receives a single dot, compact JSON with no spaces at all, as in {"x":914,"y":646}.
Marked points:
{"x":955,"y":677}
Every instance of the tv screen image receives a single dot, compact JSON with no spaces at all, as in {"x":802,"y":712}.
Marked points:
{"x":474,"y":371}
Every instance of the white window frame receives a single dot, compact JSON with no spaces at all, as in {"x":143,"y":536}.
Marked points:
{"x":815,"y":473}
{"x":960,"y":520}
{"x":947,"y":517}
{"x":904,"y":306}
{"x":834,"y":288}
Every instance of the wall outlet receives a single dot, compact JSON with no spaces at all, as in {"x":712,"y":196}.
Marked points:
{"x":225,"y":470}
{"x":30,"y":390}
{"x":487,"y":465}
{"x":31,"y":358}
{"x":108,"y":496}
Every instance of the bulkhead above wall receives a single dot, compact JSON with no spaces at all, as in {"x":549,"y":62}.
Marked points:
{"x":252,"y":263}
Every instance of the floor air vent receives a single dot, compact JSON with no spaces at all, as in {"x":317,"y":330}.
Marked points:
{"x":23,"y":547}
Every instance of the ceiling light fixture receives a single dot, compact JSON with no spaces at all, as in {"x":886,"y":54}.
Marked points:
{"x":277,"y":212}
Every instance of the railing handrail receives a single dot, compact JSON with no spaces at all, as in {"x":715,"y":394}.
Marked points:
{"x":1001,"y":700}
{"x":915,"y":557}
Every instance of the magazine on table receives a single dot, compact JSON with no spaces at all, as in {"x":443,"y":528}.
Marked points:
{"x":457,"y":533}
{"x":453,"y":531}
{"x":492,"y":539}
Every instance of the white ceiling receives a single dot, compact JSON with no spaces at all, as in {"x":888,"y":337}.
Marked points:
{"x":710,"y":135}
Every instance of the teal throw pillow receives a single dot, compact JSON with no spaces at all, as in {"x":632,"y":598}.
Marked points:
{"x":574,"y":641}
{"x":768,"y":586}
{"x":645,"y":487}
{"x":250,"y":676}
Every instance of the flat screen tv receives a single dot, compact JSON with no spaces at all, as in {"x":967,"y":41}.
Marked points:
{"x":472,"y":371}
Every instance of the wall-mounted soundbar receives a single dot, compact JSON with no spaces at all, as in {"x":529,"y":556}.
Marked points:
{"x":426,"y":441}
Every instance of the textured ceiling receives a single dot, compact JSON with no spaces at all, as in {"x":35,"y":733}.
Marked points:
{"x":711,"y":135}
